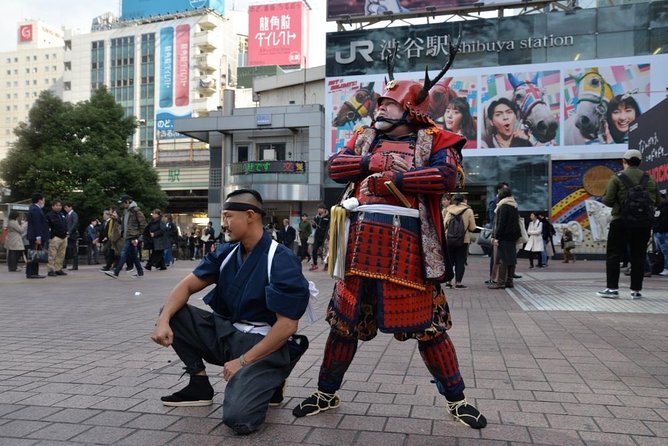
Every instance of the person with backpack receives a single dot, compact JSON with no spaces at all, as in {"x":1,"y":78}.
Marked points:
{"x":458,"y":221}
{"x":633,"y":195}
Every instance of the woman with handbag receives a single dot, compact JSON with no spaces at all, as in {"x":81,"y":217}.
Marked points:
{"x":567,"y":245}
{"x":17,"y":228}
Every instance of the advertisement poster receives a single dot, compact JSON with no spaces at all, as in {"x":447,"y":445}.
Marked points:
{"x":650,"y":135}
{"x":174,"y":82}
{"x":341,"y":9}
{"x":276,"y":34}
{"x":541,"y":108}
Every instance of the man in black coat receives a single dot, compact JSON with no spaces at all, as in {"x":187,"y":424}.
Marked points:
{"x":504,"y":237}
{"x":38,"y":233}
{"x":287,"y":235}
{"x":72,"y":235}
{"x":57,"y":240}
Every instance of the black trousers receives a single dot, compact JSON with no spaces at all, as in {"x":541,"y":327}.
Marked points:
{"x":201,"y":335}
{"x":13,"y":259}
{"x":303,"y":249}
{"x":156,"y":259}
{"x":317,"y":244}
{"x":457,"y":255}
{"x":619,"y":237}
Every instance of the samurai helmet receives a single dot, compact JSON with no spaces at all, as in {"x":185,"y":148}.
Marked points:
{"x":411,"y":95}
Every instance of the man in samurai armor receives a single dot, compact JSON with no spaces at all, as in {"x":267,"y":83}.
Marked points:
{"x":390,"y":261}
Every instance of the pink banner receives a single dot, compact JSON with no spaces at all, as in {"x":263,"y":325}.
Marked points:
{"x":276,"y":34}
{"x":182,"y":66}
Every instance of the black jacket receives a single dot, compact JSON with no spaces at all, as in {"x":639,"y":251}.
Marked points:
{"x":661,"y":223}
{"x":287,"y":236}
{"x":321,"y":225}
{"x":506,"y":223}
{"x":57,"y":224}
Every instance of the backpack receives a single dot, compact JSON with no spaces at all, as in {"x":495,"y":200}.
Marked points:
{"x":638,"y":209}
{"x":454,"y":234}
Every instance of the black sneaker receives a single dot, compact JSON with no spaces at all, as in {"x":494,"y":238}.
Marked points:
{"x":608,"y":293}
{"x":197,"y":393}
{"x":465,"y":413}
{"x":316,"y":403}
{"x":277,"y":397}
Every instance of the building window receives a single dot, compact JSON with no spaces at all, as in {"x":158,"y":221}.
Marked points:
{"x":68,"y":45}
{"x":46,"y":56}
{"x":9,"y":72}
{"x":67,"y":86}
{"x":271,"y":152}
{"x":46,"y":68}
{"x":68,"y":66}
{"x":242,"y":154}
{"x":9,"y":60}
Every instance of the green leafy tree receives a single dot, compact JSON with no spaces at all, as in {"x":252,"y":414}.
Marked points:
{"x":79,"y":153}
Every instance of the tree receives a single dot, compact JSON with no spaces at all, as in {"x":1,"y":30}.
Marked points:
{"x":79,"y":153}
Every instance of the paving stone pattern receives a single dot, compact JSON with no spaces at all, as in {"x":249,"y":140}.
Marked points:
{"x":547,"y":362}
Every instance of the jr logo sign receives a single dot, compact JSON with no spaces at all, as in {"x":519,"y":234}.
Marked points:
{"x":362,"y":47}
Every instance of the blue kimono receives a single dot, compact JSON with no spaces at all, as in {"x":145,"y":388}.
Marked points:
{"x":243,"y":291}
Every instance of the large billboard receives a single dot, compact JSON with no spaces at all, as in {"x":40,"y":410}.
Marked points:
{"x":277,"y":34}
{"x":174,"y":82}
{"x":137,"y":9}
{"x":349,"y":9}
{"x":551,"y":108}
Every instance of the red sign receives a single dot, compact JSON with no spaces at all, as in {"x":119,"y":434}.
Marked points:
{"x":182,"y":65}
{"x":276,"y":34}
{"x":25,"y":33}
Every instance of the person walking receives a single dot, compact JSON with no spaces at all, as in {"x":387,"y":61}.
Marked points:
{"x":16,"y":229}
{"x":632,"y":194}
{"x":459,"y":220}
{"x":159,"y":241}
{"x":91,"y":241}
{"x":259,"y":296}
{"x":536,"y":245}
{"x":321,"y":226}
{"x":173,"y":235}
{"x":304,"y":234}
{"x":134,"y":223}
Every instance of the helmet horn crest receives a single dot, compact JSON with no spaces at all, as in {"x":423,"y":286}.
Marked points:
{"x":428,"y":83}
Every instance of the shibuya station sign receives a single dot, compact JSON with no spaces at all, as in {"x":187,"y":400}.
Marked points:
{"x":417,"y":46}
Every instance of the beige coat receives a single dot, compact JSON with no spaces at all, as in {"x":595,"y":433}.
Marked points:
{"x":15,"y":235}
{"x":467,"y":217}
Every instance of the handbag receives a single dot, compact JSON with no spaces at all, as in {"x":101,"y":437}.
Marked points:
{"x":524,"y":237}
{"x":570,"y":244}
{"x":485,"y":237}
{"x":38,"y":255}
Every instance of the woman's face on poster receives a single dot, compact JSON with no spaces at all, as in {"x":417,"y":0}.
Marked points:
{"x":503,"y":120}
{"x":622,"y":116}
{"x":453,"y":119}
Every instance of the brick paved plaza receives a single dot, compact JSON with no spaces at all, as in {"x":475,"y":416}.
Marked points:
{"x":548,"y":363}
